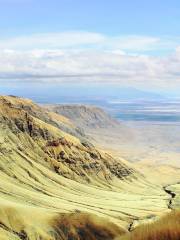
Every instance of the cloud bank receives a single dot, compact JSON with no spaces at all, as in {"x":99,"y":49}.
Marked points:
{"x":84,"y":57}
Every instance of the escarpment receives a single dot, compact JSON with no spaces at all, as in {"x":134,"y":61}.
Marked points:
{"x":63,"y":152}
{"x":50,"y":178}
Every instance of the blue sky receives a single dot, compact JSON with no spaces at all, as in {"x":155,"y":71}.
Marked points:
{"x":115,"y":17}
{"x":77,"y":42}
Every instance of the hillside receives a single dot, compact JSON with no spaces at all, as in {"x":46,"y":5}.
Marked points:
{"x":98,"y":126}
{"x":152,"y":146}
{"x":51,"y":176}
{"x":85,"y":116}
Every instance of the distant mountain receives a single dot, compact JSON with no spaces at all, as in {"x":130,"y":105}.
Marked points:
{"x":95,"y":95}
{"x":137,"y":94}
{"x":84,"y":116}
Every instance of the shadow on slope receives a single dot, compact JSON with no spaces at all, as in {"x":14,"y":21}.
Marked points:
{"x":83,"y":226}
{"x":25,"y":225}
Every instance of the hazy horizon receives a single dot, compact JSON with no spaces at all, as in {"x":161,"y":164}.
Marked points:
{"x":86,"y":46}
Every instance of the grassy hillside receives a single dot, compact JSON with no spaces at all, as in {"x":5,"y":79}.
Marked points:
{"x":50,"y":178}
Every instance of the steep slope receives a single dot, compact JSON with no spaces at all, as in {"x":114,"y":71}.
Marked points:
{"x":65,"y":153}
{"x":51,"y":118}
{"x":99,"y":126}
{"x":153,"y":147}
{"x":49,"y":178}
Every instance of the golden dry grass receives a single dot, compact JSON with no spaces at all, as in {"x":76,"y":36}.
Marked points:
{"x":84,"y":226}
{"x":166,"y":228}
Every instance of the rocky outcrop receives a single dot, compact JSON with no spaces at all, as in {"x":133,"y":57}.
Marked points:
{"x":70,"y":157}
{"x":38,"y":112}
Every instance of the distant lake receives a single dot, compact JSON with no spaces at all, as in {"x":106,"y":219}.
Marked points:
{"x":146,"y":111}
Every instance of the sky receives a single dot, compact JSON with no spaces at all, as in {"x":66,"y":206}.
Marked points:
{"x":94,"y":43}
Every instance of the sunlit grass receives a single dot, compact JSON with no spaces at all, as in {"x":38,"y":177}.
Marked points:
{"x":166,"y":228}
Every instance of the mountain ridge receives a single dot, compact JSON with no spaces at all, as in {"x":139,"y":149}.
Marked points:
{"x":84,"y":116}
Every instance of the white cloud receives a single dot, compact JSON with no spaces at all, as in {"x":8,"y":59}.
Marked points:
{"x":89,"y":57}
{"x":88,"y":40}
{"x":132,"y":43}
{"x":52,"y":40}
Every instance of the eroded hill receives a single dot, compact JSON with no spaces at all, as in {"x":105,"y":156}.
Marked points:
{"x":84,"y":116}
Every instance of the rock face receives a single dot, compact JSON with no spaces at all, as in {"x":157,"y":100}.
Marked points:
{"x":31,"y":109}
{"x":85,"y":116}
{"x":69,"y":157}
